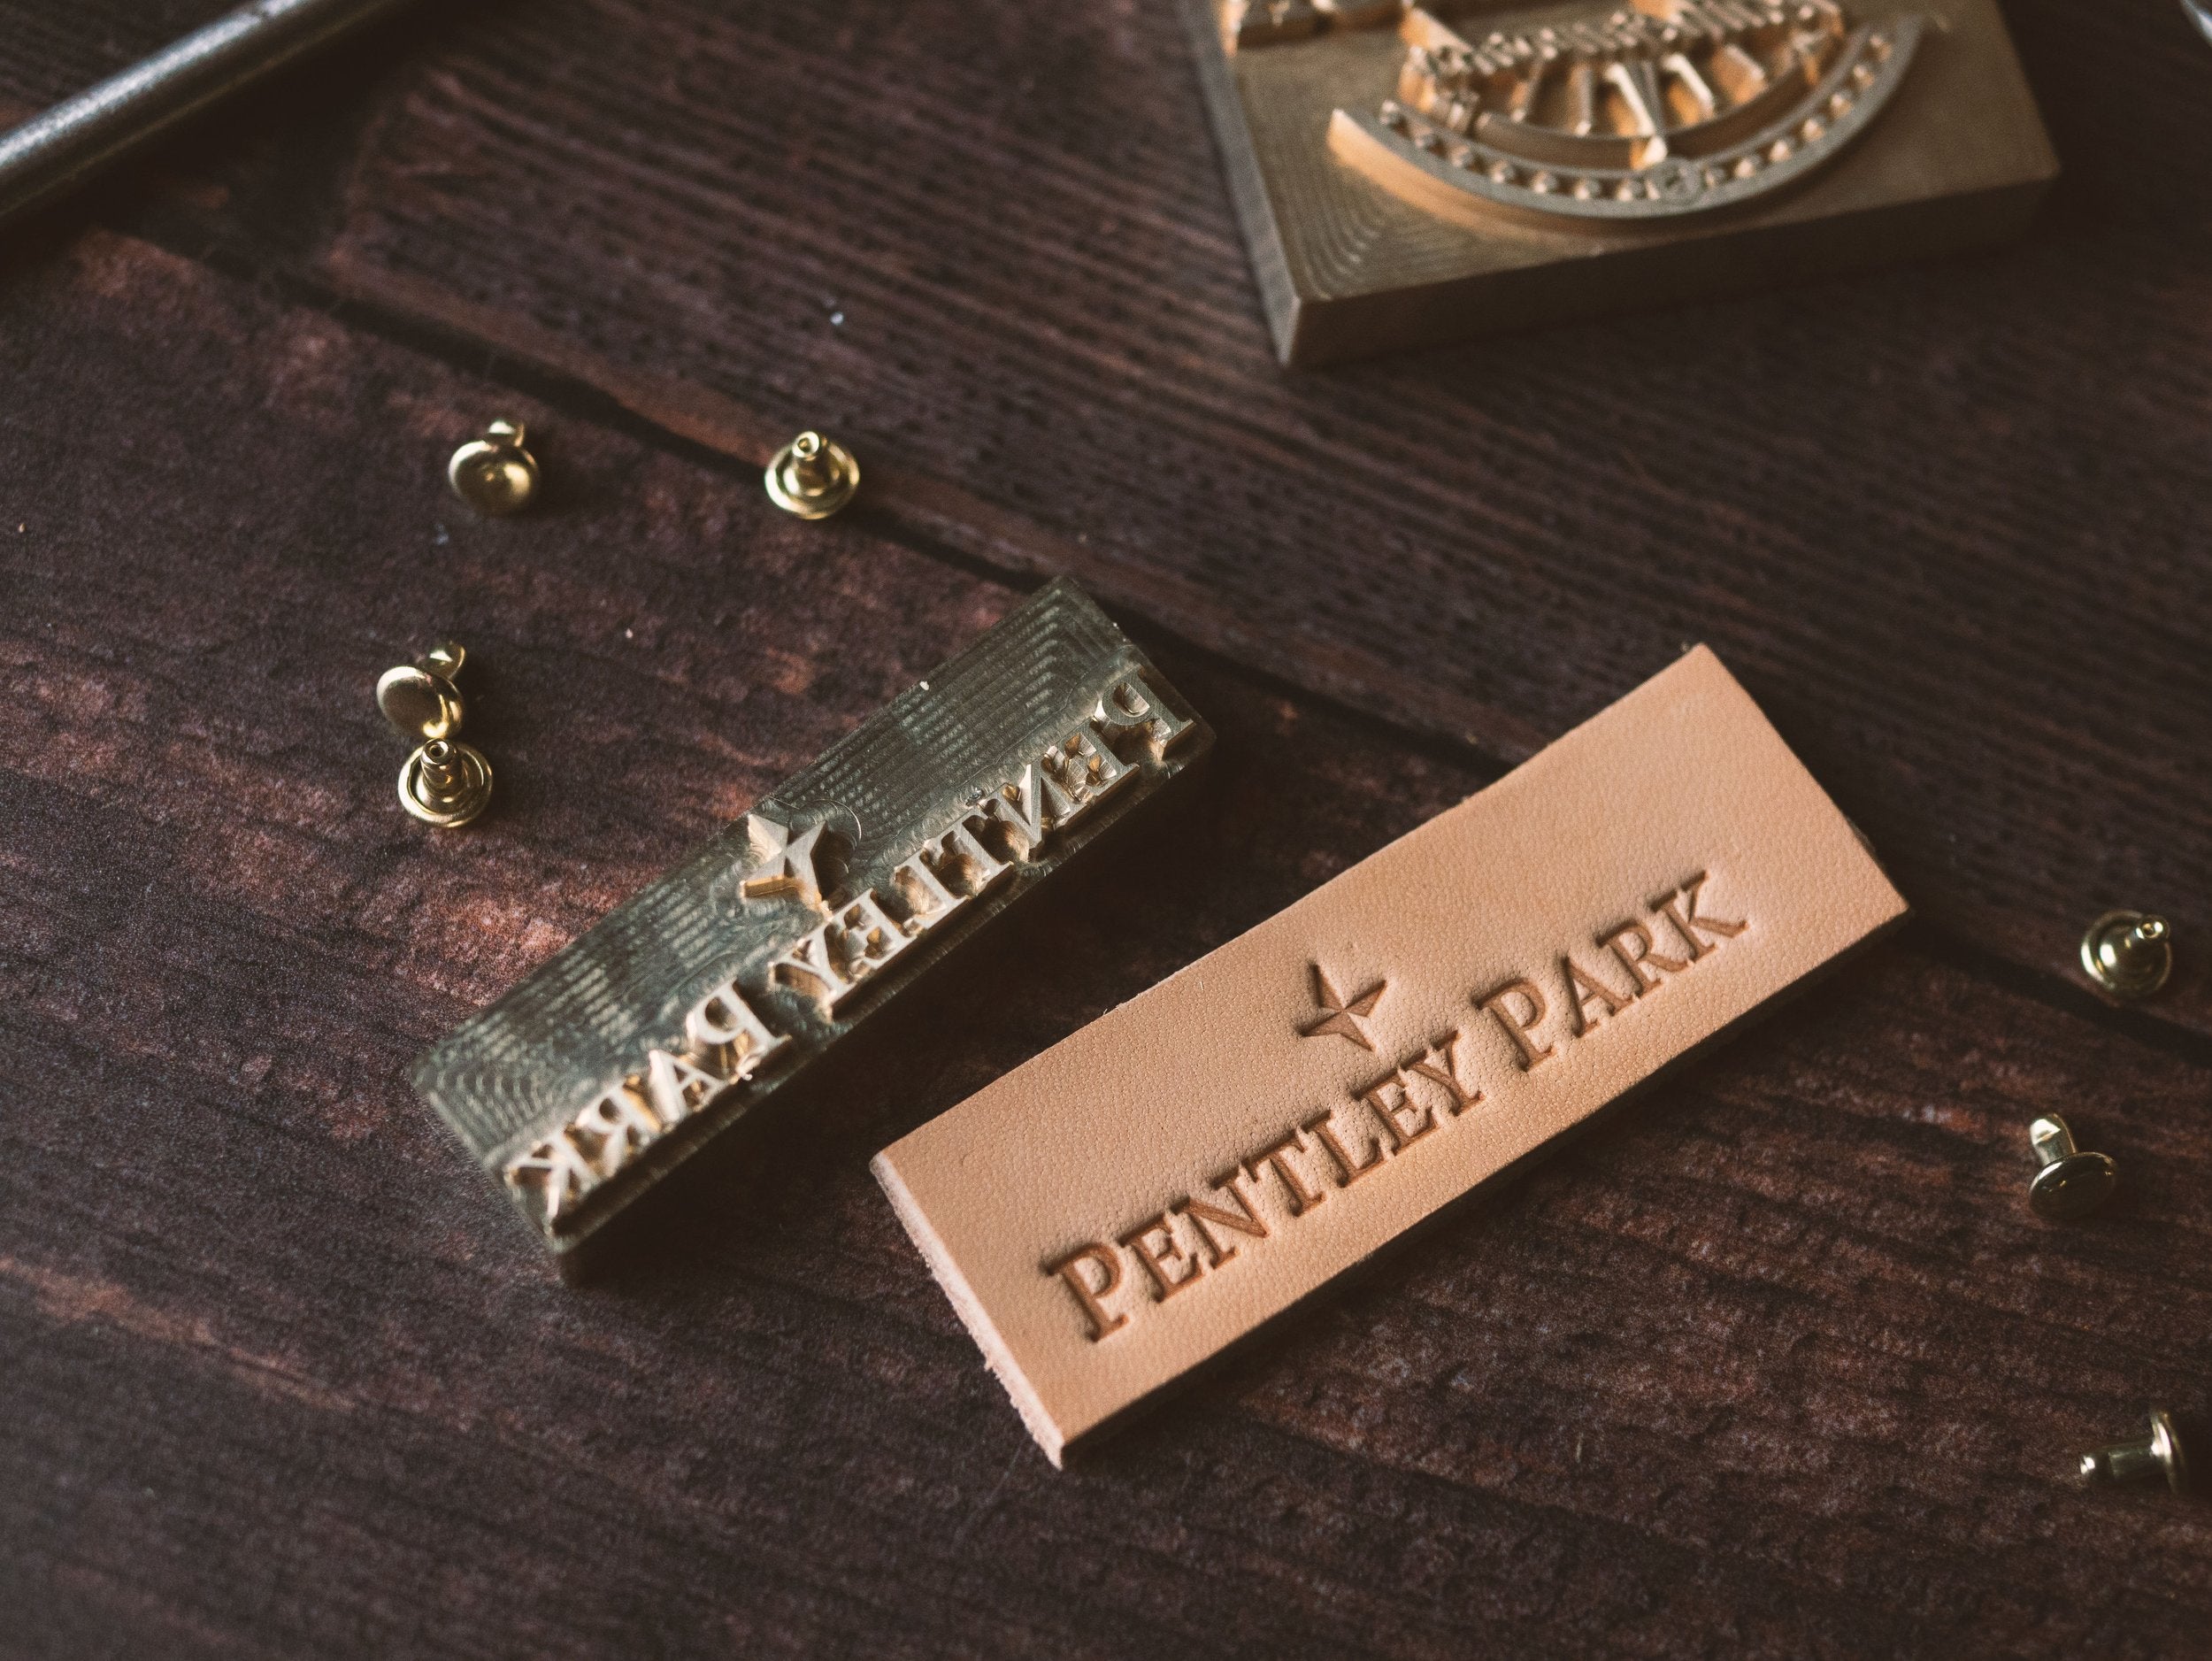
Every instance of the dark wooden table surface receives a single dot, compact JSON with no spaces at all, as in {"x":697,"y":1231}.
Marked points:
{"x":1778,"y":1363}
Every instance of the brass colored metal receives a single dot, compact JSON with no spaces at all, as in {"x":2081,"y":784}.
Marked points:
{"x":443,"y":782}
{"x":495,"y":474}
{"x":1664,"y":112}
{"x":2072,"y":1184}
{"x":2129,"y":954}
{"x":813,"y":476}
{"x":2156,"y":1454}
{"x":744,"y":976}
{"x":419,"y":698}
{"x":1409,"y":173}
{"x":446,"y":783}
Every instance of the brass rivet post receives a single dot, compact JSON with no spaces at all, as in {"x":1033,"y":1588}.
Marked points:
{"x":2129,"y":954}
{"x":495,"y":475}
{"x":2156,"y":1454}
{"x":813,"y":476}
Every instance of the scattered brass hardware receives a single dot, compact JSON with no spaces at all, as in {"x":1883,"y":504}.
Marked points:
{"x":2129,"y":954}
{"x":495,"y":475}
{"x":813,"y":476}
{"x":2158,"y":1454}
{"x":443,"y":782}
{"x":2071,"y":1184}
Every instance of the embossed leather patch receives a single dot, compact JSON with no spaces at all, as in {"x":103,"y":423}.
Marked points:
{"x":1133,"y":1201}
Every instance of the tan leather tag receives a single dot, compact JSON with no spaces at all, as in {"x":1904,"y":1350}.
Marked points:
{"x":1130,"y":1202}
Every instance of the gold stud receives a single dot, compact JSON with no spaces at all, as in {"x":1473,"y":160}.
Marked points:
{"x":2070,"y":1183}
{"x":2129,"y":954}
{"x":419,"y":698}
{"x":2158,"y":1454}
{"x":495,"y":475}
{"x":443,"y":782}
{"x":813,"y":476}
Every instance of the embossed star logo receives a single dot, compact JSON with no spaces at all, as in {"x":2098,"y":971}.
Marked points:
{"x":784,"y":863}
{"x":1342,"y":1017}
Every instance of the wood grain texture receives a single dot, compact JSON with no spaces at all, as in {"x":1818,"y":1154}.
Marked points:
{"x":1775,"y":1363}
{"x":1941,"y":518}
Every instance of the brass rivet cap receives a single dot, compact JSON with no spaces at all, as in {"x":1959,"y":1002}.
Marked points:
{"x":419,"y":698}
{"x":495,"y":475}
{"x":2072,"y":1184}
{"x":445,"y":783}
{"x":2129,"y":954}
{"x":813,"y":476}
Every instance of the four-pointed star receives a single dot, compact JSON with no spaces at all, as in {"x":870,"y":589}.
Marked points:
{"x":1343,"y":1019}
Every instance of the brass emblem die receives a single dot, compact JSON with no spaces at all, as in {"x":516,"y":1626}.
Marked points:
{"x":1639,"y":115}
{"x":1410,"y":171}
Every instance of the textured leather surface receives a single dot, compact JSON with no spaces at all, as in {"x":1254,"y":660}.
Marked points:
{"x":1124,"y":1206}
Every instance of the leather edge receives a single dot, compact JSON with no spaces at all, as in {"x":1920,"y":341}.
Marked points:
{"x":1042,"y":1427}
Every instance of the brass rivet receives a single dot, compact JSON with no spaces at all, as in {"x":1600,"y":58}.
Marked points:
{"x":2158,"y":1454}
{"x":2129,"y":954}
{"x":443,"y":782}
{"x":813,"y":476}
{"x":419,"y":698}
{"x":2071,"y":1183}
{"x":495,"y":475}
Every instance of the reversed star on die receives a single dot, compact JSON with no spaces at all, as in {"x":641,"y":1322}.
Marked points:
{"x":784,"y":863}
{"x":1341,"y":1017}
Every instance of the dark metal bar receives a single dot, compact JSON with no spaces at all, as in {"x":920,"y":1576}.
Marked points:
{"x":55,"y":151}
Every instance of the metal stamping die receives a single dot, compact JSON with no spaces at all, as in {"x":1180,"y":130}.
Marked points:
{"x":730,"y":979}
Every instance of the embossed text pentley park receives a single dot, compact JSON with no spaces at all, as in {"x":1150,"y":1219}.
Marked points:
{"x":1529,"y":1020}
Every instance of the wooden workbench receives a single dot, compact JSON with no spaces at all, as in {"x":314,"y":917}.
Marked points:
{"x":1777,"y":1363}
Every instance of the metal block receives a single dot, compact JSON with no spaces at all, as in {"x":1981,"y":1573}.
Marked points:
{"x":725,"y":982}
{"x":1487,"y":164}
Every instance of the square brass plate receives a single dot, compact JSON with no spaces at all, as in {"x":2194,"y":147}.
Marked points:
{"x":1366,"y":239}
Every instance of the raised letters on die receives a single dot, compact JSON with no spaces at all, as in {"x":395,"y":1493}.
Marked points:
{"x":1126,"y":707}
{"x":721,"y":985}
{"x":554,"y":1170}
{"x":836,"y":958}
